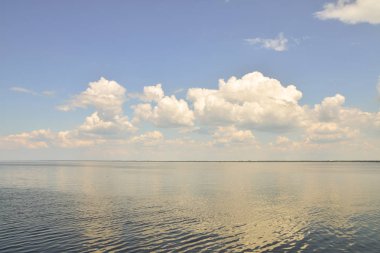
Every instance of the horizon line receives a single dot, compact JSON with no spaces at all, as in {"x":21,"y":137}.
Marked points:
{"x":246,"y":161}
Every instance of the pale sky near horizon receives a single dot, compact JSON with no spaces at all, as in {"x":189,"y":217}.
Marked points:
{"x":190,"y":80}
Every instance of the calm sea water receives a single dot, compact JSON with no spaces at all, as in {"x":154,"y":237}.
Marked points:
{"x":189,"y":207}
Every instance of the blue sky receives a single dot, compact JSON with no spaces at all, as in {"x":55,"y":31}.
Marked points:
{"x":59,"y":47}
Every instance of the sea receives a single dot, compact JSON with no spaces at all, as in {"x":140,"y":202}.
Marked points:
{"x":118,"y":206}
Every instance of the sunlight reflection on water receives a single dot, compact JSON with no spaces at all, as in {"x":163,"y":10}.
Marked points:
{"x":179,"y":207}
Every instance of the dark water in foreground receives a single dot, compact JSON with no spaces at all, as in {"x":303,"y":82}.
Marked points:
{"x":189,"y":207}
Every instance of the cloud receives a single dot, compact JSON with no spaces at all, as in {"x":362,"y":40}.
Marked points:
{"x":34,"y":93}
{"x":284,"y":144}
{"x":180,"y":90}
{"x":234,"y":115}
{"x":75,"y":139}
{"x":352,"y":12}
{"x":148,"y":139}
{"x":230,"y":135}
{"x":329,"y":132}
{"x":45,"y":138}
{"x":33,"y":140}
{"x":279,"y":44}
{"x":253,"y":101}
{"x":48,"y":93}
{"x":107,"y":123}
{"x":22,"y":90}
{"x":105,"y":96}
{"x":330,"y":108}
{"x":163,"y":111}
{"x":96,"y":125}
{"x":152,"y":93}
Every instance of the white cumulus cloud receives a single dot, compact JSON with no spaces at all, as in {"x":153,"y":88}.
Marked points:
{"x":329,"y":132}
{"x":209,"y":121}
{"x":34,"y":139}
{"x":330,"y":108}
{"x":152,"y":93}
{"x":95,"y":124}
{"x":352,"y":12}
{"x":105,"y":96}
{"x":254,"y":100}
{"x":166,"y":111}
{"x":280,"y":43}
{"x":230,"y":134}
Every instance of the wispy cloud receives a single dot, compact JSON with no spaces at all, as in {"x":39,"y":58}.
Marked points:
{"x":32,"y":92}
{"x":48,"y":93}
{"x":352,"y":12}
{"x":279,"y":44}
{"x":180,"y":90}
{"x":23,"y":90}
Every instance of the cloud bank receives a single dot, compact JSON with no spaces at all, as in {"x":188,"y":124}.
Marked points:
{"x":251,"y":117}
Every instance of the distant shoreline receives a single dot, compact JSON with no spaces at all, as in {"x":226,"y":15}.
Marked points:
{"x":205,"y":161}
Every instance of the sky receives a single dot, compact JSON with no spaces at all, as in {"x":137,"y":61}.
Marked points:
{"x":190,"y":80}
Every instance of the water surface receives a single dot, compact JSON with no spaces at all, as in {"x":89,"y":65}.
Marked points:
{"x":189,"y":207}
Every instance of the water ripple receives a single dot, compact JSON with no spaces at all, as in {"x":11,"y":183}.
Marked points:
{"x":191,"y":208}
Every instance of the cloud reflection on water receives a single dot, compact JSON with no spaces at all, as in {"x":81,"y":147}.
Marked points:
{"x":214,"y":206}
